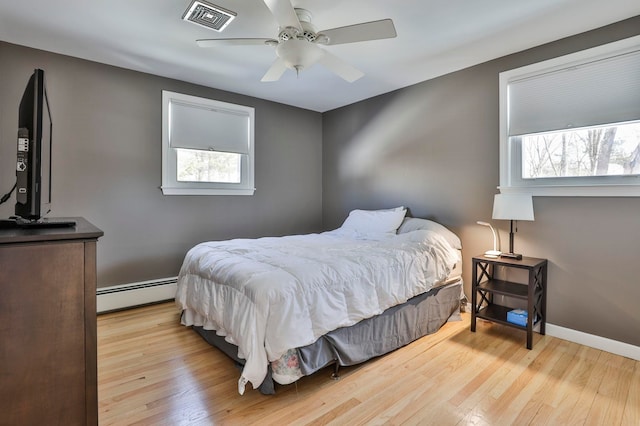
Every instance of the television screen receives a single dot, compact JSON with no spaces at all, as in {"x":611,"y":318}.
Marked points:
{"x":33,"y":170}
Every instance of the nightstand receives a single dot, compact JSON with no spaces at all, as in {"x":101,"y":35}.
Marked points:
{"x":484,"y":287}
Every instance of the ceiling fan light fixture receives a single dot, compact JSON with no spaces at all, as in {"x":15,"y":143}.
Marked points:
{"x":208,"y":15}
{"x":299,"y":54}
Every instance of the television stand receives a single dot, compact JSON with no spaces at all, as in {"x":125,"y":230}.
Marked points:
{"x":45,"y":223}
{"x":8,"y":224}
{"x":48,"y":368}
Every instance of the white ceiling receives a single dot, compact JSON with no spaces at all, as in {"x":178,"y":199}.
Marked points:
{"x":435,"y":37}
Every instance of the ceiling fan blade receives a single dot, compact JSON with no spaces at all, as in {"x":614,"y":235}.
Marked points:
{"x":340,"y":67}
{"x":284,"y":13}
{"x":213,"y":42}
{"x":275,"y":71}
{"x":374,"y":30}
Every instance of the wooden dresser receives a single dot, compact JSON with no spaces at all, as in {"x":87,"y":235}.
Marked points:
{"x":48,"y":346}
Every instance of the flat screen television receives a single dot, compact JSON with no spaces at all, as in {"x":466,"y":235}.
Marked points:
{"x":33,"y":169}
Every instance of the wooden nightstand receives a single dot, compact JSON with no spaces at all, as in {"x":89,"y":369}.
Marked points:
{"x":484,"y":287}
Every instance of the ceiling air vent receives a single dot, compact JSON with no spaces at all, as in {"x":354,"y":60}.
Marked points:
{"x":208,"y":15}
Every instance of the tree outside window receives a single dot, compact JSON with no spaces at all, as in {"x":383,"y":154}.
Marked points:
{"x":599,"y":151}
{"x":208,"y":166}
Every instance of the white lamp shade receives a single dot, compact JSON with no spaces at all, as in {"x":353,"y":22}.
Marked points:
{"x":513,"y":207}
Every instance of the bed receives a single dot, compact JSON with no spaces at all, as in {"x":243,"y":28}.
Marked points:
{"x":285,"y":307}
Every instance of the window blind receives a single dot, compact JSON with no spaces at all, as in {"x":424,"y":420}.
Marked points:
{"x":199,"y":127}
{"x":593,"y":93}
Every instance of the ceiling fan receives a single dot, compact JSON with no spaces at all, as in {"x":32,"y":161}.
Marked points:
{"x":298,"y":42}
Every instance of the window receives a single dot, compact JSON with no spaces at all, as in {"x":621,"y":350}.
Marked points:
{"x":207,"y":146}
{"x":571,"y":125}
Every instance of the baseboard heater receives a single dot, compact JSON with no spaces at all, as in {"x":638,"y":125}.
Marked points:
{"x":126,"y":296}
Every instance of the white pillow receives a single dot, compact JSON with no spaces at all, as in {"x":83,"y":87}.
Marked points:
{"x":413,"y":224}
{"x":374,"y":221}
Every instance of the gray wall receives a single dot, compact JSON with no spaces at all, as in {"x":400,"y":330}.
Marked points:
{"x":434,"y":148}
{"x":107,"y":164}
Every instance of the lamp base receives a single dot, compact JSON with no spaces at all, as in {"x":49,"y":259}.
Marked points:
{"x":515,"y":256}
{"x":493,"y":254}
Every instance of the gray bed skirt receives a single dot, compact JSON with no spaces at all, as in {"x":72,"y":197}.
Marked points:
{"x":372,"y":337}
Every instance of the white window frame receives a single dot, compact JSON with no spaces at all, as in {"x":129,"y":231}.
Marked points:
{"x":170,"y":184}
{"x":511,"y":156}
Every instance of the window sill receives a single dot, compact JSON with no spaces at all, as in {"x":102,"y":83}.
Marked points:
{"x":205,"y":191}
{"x":574,"y":191}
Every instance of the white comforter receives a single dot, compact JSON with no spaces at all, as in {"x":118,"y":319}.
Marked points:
{"x":269,"y":295}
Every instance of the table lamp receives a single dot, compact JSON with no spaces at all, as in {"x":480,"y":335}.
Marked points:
{"x":512,"y":207}
{"x":495,"y":253}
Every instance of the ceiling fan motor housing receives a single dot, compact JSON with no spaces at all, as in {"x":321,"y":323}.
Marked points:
{"x":309,"y":31}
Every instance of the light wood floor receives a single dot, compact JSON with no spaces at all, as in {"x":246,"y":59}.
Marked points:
{"x":153,"y":371}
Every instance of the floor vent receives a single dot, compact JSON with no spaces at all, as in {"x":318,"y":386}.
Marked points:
{"x":208,"y":15}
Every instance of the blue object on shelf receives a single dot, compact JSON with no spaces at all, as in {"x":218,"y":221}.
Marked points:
{"x":517,"y":316}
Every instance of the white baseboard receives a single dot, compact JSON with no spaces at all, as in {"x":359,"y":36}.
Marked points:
{"x":135,"y":294}
{"x":593,"y":341}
